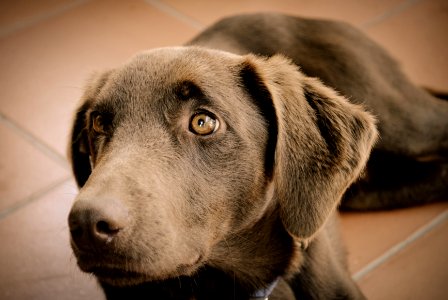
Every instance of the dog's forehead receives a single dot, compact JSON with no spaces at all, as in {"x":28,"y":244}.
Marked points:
{"x":178,"y":63}
{"x":170,"y":53}
{"x":156,"y":74}
{"x":156,"y":80}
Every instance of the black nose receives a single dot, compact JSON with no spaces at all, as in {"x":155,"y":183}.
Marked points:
{"x":96,"y":223}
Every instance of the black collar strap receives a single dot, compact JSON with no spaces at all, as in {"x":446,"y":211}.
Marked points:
{"x":264,"y":293}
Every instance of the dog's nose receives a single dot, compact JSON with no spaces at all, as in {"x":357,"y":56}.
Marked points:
{"x":95,"y":223}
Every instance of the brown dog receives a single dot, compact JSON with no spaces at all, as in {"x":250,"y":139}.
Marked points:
{"x":211,"y":175}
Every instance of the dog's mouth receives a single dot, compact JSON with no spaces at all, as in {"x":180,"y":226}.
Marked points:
{"x":134,"y":273}
{"x":117,"y":276}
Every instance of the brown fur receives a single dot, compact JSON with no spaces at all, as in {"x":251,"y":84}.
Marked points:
{"x":167,"y":214}
{"x":409,"y":164}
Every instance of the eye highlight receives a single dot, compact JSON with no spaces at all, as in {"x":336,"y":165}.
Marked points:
{"x":203,"y":123}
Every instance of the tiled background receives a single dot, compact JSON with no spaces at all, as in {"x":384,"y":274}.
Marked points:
{"x":49,"y":47}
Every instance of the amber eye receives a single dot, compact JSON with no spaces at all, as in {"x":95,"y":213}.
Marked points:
{"x":203,"y":123}
{"x":98,"y":124}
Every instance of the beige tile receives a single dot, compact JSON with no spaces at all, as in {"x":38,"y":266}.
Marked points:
{"x":23,"y":169}
{"x":368,"y":235}
{"x":36,"y":261}
{"x":419,"y":272}
{"x":418,"y":39}
{"x":45,"y":67}
{"x":15,"y":14}
{"x":352,"y":11}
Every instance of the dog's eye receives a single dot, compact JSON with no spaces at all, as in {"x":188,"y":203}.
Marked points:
{"x":98,"y":124}
{"x":203,"y":123}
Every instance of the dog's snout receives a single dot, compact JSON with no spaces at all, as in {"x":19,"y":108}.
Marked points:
{"x":96,"y":222}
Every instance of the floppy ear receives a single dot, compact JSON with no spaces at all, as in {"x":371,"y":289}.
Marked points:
{"x":322,"y":141}
{"x":78,"y":149}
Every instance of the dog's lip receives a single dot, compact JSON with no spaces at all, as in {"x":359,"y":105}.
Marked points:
{"x":117,"y":275}
{"x":114,"y":273}
{"x":126,"y":275}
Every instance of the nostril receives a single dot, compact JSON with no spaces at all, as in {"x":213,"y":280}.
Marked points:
{"x":106,"y":230}
{"x":76,"y":232}
{"x":75,"y":227}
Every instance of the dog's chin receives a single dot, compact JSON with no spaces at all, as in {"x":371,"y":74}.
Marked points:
{"x":119,"y":277}
{"x":122,"y":276}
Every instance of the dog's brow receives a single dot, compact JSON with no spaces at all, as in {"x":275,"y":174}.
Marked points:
{"x":186,"y":90}
{"x":104,"y":107}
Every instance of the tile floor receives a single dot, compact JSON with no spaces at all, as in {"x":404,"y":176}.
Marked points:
{"x":49,"y":47}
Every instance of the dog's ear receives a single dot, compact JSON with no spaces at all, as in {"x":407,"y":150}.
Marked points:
{"x":78,"y":148}
{"x":322,"y":142}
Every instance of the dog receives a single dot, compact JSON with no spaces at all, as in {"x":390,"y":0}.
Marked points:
{"x":214,"y":170}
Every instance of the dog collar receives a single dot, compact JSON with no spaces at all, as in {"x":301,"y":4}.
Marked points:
{"x":264,"y":293}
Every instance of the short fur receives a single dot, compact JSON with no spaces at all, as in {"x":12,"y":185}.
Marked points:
{"x":164,"y":213}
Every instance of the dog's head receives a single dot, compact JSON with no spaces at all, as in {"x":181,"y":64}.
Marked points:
{"x":183,"y":148}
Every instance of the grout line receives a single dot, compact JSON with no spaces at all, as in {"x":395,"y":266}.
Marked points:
{"x":33,"y":197}
{"x":388,"y":14}
{"x":8,"y":30}
{"x":35,"y":142}
{"x":168,"y":9}
{"x":442,"y":217}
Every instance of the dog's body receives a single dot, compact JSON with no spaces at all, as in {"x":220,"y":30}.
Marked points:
{"x":210,"y":175}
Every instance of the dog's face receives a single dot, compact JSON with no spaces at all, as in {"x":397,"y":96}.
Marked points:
{"x":182,"y":149}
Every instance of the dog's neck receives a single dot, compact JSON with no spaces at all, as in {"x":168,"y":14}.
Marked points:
{"x":208,"y":283}
{"x":259,"y":254}
{"x":233,"y":272}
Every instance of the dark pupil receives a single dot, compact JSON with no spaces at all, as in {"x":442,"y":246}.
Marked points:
{"x":201,"y":122}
